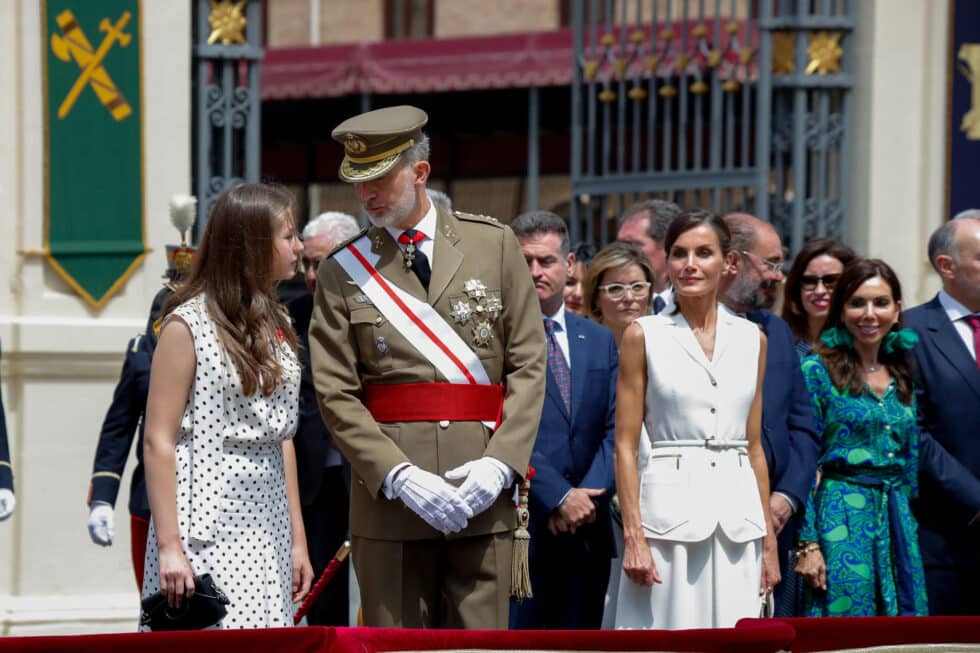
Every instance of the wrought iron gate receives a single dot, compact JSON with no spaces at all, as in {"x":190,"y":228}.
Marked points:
{"x":734,"y":105}
{"x":226,"y":109}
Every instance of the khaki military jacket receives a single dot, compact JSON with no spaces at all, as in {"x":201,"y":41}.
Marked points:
{"x":352,"y":344}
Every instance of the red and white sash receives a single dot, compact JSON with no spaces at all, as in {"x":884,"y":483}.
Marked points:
{"x":421,"y":325}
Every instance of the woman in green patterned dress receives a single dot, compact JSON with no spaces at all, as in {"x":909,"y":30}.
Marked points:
{"x":859,"y":550}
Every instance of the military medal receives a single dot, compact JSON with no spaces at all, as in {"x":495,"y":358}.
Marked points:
{"x":409,"y":255}
{"x":461,"y":312}
{"x":381,"y":345}
{"x":482,"y":333}
{"x":475,"y":289}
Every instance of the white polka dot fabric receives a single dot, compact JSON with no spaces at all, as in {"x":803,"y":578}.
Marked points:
{"x":231,"y":491}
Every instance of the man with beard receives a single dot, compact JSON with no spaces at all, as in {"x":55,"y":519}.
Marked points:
{"x":788,"y":433}
{"x":428,"y":358}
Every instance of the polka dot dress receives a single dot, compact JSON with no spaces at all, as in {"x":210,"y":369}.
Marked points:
{"x":232,"y":510}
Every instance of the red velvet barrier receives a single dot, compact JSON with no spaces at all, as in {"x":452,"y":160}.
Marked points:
{"x":762,"y":638}
{"x":272,"y":640}
{"x":766,"y":636}
{"x":856,"y":632}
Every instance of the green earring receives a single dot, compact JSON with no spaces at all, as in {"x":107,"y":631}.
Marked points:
{"x":835,"y":337}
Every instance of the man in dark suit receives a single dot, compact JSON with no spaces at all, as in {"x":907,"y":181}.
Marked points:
{"x":948,"y":395}
{"x":323,"y":477}
{"x":788,"y":433}
{"x":571,"y":536}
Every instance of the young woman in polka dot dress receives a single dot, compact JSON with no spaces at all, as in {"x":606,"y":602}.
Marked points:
{"x":223,"y":403}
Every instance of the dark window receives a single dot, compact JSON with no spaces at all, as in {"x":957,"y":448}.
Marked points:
{"x":409,"y":19}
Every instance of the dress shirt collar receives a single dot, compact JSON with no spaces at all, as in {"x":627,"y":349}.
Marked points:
{"x":427,"y":225}
{"x":558,"y":317}
{"x":954,"y":309}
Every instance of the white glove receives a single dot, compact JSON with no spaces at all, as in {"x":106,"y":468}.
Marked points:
{"x":485,"y":479}
{"x":100,"y":523}
{"x":7,"y":503}
{"x":432,"y":499}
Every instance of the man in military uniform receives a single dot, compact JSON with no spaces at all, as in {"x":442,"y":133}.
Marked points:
{"x":7,"y":499}
{"x":122,"y":422}
{"x":429,"y":359}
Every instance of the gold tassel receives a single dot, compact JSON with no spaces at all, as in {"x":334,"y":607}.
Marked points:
{"x":520,"y":570}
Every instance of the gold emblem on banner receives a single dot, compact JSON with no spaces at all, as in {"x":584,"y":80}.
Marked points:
{"x":970,"y":54}
{"x":73,"y":44}
{"x":227,"y":21}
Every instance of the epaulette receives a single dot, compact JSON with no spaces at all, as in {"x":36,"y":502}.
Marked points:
{"x":348,"y":241}
{"x":476,"y":217}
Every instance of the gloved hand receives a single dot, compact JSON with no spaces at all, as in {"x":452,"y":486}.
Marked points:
{"x":485,"y":479}
{"x":7,"y":503}
{"x":100,"y":523}
{"x":432,"y":499}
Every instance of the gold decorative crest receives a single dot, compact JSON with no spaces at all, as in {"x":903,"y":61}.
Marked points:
{"x":825,"y":53}
{"x":354,"y":144}
{"x":227,"y":20}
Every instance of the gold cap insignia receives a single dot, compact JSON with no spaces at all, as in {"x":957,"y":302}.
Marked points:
{"x":354,"y":144}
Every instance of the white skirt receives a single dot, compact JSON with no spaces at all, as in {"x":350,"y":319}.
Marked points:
{"x":707,"y":584}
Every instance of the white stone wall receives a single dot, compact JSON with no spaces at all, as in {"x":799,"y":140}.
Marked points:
{"x":61,"y":359}
{"x":898,"y":136}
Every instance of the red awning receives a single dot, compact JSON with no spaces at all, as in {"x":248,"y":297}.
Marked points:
{"x":420,"y":66}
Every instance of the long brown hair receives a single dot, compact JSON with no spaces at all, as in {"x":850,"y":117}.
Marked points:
{"x":233,"y":269}
{"x":842,"y":361}
{"x":793,"y":311}
{"x":614,"y":256}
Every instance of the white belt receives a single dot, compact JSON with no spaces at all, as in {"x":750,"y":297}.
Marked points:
{"x":707,"y":443}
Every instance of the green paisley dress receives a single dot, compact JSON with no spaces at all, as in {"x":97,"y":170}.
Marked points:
{"x":860,"y":511}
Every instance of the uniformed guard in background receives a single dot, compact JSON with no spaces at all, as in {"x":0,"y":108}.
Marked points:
{"x":124,"y":419}
{"x":429,"y":361}
{"x":7,"y":499}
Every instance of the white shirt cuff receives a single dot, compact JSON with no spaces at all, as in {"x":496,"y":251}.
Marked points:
{"x":789,"y":500}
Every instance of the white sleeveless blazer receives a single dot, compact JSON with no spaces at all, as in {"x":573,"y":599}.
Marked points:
{"x":687,"y":492}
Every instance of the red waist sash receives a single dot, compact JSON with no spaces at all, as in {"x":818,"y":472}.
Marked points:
{"x":434,"y":402}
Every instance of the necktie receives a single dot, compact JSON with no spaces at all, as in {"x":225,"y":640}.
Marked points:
{"x":414,"y":256}
{"x":974,"y":322}
{"x":658,"y":304}
{"x":558,"y":366}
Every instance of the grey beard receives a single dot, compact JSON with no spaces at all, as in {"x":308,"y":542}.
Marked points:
{"x":747,"y":293}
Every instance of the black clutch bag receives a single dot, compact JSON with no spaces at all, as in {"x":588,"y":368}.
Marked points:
{"x":204,"y":609}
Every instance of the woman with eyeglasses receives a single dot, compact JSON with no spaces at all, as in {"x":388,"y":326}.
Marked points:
{"x":809,"y":284}
{"x":617,"y":287}
{"x":699,"y":541}
{"x":859,"y":549}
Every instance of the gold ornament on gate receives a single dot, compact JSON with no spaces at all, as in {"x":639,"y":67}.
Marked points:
{"x":825,"y":53}
{"x":227,"y":20}
{"x":969,"y":53}
{"x":783,"y":53}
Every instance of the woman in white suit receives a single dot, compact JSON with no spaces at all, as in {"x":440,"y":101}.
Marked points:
{"x":699,"y":543}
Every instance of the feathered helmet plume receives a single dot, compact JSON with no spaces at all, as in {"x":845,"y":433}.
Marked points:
{"x":183,"y":210}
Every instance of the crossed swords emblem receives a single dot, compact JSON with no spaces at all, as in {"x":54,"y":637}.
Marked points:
{"x":72,"y":44}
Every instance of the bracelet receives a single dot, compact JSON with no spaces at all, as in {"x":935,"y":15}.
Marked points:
{"x":807,"y":547}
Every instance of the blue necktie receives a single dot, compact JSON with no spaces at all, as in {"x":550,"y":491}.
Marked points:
{"x":558,"y":365}
{"x":658,"y":304}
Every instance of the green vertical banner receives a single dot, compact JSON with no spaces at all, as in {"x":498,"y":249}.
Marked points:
{"x":93,"y":97}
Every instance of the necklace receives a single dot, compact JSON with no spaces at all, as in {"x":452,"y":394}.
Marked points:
{"x":870,"y":369}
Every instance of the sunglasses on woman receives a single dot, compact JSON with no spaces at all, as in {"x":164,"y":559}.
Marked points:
{"x":810,"y":281}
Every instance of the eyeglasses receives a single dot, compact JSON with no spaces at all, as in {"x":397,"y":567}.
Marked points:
{"x":810,"y":281}
{"x":617,"y":291}
{"x":776,"y":267}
